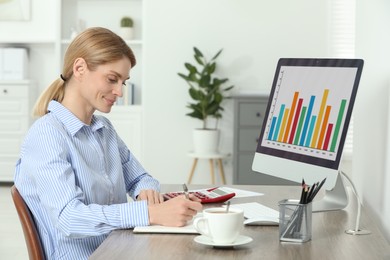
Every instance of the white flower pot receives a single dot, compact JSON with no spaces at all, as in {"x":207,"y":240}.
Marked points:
{"x":127,"y":33}
{"x":206,"y":141}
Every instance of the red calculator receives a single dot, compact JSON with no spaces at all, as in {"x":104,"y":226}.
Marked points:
{"x":213,"y":195}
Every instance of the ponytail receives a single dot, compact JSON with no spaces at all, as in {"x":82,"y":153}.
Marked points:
{"x":55,"y":91}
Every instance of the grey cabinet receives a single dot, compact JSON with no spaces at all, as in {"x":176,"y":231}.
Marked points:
{"x":249,"y":113}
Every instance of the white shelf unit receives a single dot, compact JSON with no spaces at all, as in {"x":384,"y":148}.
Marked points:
{"x":16,"y":101}
{"x":47,"y":48}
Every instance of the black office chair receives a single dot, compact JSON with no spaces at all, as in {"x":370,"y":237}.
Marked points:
{"x":31,"y":235}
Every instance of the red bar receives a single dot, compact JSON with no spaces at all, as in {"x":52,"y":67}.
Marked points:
{"x":327,"y":137}
{"x":296,"y":117}
{"x":323,"y":127}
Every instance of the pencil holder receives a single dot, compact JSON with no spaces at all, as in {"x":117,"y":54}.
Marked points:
{"x":295,"y":221}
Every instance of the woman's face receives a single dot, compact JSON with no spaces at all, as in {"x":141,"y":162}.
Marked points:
{"x":103,"y":86}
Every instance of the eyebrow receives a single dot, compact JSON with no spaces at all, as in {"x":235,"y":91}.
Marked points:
{"x":119,"y":75}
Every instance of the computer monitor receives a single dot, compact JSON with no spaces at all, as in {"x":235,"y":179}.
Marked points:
{"x":306,"y":124}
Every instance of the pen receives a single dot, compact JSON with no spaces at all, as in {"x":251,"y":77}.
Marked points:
{"x":185,"y":191}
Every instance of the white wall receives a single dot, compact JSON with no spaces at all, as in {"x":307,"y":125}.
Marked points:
{"x":254,"y":35}
{"x":40,"y":28}
{"x":38,"y":35}
{"x":371,"y":130}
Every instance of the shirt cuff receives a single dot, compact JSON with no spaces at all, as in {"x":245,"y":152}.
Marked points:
{"x":134,"y":214}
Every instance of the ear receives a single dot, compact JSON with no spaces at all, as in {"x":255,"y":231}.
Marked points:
{"x":79,"y":67}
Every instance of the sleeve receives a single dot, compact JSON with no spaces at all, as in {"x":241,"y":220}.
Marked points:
{"x":53,"y":183}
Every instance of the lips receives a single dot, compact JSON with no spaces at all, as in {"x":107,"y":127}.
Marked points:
{"x":110,"y":101}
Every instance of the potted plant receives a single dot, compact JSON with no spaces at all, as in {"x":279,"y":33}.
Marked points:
{"x":207,"y":93}
{"x":126,"y":28}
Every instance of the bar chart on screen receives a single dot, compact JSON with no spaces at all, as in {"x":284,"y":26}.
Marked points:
{"x":307,"y":113}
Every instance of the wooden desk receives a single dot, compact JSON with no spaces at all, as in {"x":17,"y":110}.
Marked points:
{"x":329,"y":240}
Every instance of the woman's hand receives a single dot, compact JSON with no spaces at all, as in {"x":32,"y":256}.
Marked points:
{"x":175,"y":212}
{"x":152,"y":196}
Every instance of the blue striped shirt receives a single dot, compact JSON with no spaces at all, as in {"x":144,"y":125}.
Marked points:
{"x":74,"y":177}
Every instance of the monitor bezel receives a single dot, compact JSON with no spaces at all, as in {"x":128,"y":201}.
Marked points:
{"x":310,"y":62}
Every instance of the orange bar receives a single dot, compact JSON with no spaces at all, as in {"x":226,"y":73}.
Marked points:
{"x":319,"y":118}
{"x":323,"y":128}
{"x":286,"y":114}
{"x":293,"y":106}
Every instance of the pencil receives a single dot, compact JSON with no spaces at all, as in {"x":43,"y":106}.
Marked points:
{"x":309,"y":196}
{"x":318,"y":188}
{"x":303,"y":191}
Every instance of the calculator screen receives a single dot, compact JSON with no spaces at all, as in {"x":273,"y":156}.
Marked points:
{"x":219,"y":192}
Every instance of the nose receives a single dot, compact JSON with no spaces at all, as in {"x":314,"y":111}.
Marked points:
{"x":117,"y":90}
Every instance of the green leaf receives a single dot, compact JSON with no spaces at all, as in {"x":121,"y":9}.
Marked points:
{"x":183,"y":76}
{"x":211,"y":68}
{"x":190,"y":68}
{"x":218,"y":97}
{"x":229,"y":88}
{"x":216,"y":55}
{"x":198,"y":59}
{"x":198,"y":52}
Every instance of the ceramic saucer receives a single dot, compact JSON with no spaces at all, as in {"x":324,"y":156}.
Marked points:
{"x":241,"y":240}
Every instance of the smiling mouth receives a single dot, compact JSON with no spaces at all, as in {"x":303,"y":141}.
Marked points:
{"x":110,"y":101}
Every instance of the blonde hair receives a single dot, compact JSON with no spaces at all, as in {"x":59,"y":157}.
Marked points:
{"x":96,"y":46}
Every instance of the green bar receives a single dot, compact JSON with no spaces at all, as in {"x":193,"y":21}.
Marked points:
{"x":299,"y":130}
{"x":301,"y":118}
{"x":338,"y":125}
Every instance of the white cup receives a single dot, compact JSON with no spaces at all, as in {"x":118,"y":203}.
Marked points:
{"x":220,"y":226}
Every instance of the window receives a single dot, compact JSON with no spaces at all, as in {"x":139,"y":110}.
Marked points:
{"x":342,"y":45}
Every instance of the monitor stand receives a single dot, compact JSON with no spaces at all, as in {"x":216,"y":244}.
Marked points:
{"x":334,"y":199}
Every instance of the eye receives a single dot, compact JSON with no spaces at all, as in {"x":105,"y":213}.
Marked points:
{"x":124,"y":84}
{"x":112,"y":80}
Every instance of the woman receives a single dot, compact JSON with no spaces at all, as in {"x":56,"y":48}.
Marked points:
{"x":74,"y":171}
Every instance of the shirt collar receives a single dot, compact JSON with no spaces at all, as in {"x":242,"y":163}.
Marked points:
{"x":70,"y":121}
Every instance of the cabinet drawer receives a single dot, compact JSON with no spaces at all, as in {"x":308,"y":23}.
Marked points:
{"x":13,"y":106}
{"x":7,"y":166}
{"x":252,"y":113}
{"x":10,"y":145}
{"x":245,"y":174}
{"x":247,"y":139}
{"x":11,"y":91}
{"x":14,"y":125}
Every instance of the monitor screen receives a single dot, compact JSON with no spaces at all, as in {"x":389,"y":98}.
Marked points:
{"x":307,"y":118}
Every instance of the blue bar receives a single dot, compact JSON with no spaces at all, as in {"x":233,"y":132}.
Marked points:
{"x":272,"y":128}
{"x":309,"y":135}
{"x":280,"y":117}
{"x":307,"y":119}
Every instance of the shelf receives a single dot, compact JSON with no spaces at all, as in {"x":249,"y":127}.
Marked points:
{"x":20,"y":42}
{"x":15,"y":82}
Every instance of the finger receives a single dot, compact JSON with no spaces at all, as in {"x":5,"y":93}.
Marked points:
{"x":161,"y":198}
{"x":151,"y":197}
{"x":156,"y":197}
{"x":194,"y":198}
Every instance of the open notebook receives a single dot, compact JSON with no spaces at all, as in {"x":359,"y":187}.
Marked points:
{"x":252,"y":210}
{"x":188,"y":229}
